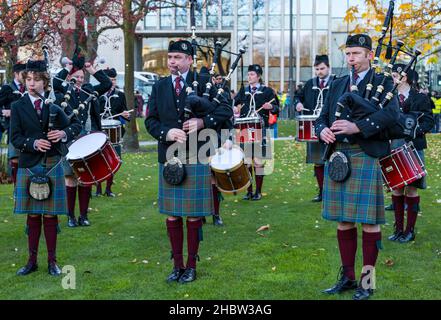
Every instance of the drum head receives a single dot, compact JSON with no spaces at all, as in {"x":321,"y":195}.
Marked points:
{"x":86,"y":145}
{"x":306,"y":118}
{"x":110,"y":123}
{"x":226,"y":159}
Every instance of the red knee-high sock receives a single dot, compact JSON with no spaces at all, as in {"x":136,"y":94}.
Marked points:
{"x":371,"y":246}
{"x":250,"y":188}
{"x":175,"y":232}
{"x":259,"y":183}
{"x":319,"y":172}
{"x":109,"y":183}
{"x":84,"y":198}
{"x":14,"y":170}
{"x":347,"y":243}
{"x":412,"y":212}
{"x":398,"y":203}
{"x":34,"y":232}
{"x":50,"y":233}
{"x":71,"y":193}
{"x":215,"y":199}
{"x":194,"y":236}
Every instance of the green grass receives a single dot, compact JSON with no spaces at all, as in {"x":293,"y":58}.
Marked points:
{"x":125,"y":253}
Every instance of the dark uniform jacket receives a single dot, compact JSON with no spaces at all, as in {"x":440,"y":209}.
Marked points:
{"x":118,"y":104}
{"x":370,"y":125}
{"x":77,"y":97}
{"x":309,"y":94}
{"x":26,"y":128}
{"x":8,"y":94}
{"x":266,"y":95}
{"x":166,"y":111}
{"x":419,"y":102}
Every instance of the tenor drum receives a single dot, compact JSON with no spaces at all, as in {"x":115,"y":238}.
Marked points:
{"x":229,"y":170}
{"x":93,"y":158}
{"x":249,"y":129}
{"x":113,"y":130}
{"x":305,"y":128}
{"x":402,"y":167}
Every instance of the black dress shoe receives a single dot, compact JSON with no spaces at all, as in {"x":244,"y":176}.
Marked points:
{"x":343,"y":284}
{"x":72,"y":222}
{"x":98,"y":194}
{"x":389,"y":207}
{"x":189,"y":275}
{"x":257,"y":196}
{"x":318,"y":198}
{"x":83,"y":221}
{"x":248,"y":196}
{"x":362,"y":294}
{"x":217,"y":221}
{"x":397,"y":234}
{"x":53,"y":269}
{"x":204,"y":220}
{"x":407,"y":237}
{"x":175,"y":274}
{"x":110,"y":194}
{"x":27,"y":269}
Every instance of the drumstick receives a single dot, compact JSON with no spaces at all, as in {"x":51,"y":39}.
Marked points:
{"x":262,"y":106}
{"x":116,"y":115}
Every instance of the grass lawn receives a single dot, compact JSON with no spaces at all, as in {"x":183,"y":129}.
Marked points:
{"x":125,"y":253}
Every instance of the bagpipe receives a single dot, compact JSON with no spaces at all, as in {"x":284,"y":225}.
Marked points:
{"x":200,"y":106}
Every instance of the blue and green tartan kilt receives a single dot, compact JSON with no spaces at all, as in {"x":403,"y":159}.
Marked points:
{"x":314,"y":152}
{"x":420,"y":183}
{"x":67,"y":169}
{"x":360,"y":198}
{"x":55,"y":205}
{"x":192,"y":198}
{"x":12,"y":151}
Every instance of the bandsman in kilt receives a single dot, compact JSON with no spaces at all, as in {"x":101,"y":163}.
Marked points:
{"x":166,"y":121}
{"x":118,"y":104}
{"x":312,"y":97}
{"x":90,"y":121}
{"x":410,"y":100}
{"x":8,"y":94}
{"x":266,"y":100}
{"x":358,"y":199}
{"x":40,"y":152}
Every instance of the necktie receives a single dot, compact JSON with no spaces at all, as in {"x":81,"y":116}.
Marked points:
{"x":37,"y":104}
{"x":21,"y":88}
{"x":402,"y":99}
{"x":178,"y":86}
{"x":322,"y":84}
{"x":356,"y":76}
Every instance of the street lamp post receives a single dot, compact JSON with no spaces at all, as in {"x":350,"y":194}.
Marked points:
{"x":290,"y":83}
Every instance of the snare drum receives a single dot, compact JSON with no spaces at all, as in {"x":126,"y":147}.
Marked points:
{"x":249,"y":129}
{"x":93,"y":158}
{"x":113,"y":130}
{"x":402,"y":167}
{"x":229,"y":170}
{"x":305,"y":128}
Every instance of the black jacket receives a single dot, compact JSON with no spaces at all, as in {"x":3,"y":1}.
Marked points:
{"x":369,"y":126}
{"x":26,"y":128}
{"x":266,"y":95}
{"x":118,"y":104}
{"x":76,"y":98}
{"x":8,"y":94}
{"x":420,"y":102}
{"x":309,"y":94}
{"x":166,"y":113}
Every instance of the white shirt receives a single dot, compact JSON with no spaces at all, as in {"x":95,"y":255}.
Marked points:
{"x":405,"y":93}
{"x":361,"y":76}
{"x":183,"y":77}
{"x":33,"y":99}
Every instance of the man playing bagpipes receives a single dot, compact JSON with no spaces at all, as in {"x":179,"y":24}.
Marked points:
{"x":83,"y":97}
{"x":39,"y":130}
{"x":8,"y":94}
{"x":353,"y":184}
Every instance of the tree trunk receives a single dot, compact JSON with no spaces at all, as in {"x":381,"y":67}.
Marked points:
{"x":131,"y":142}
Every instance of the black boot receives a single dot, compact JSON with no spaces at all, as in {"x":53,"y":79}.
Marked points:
{"x":188,"y":276}
{"x":389,"y":207}
{"x":396,"y":235}
{"x":362,"y":294}
{"x":217,"y":221}
{"x":27,"y":269}
{"x":175,"y":274}
{"x":53,"y":269}
{"x":248,"y":196}
{"x":318,"y":198}
{"x":343,"y":284}
{"x":407,"y":237}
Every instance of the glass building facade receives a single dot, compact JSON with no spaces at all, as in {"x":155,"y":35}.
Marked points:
{"x":262,"y":27}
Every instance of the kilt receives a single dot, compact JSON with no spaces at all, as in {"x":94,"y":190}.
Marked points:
{"x":420,"y":183}
{"x":67,"y":169}
{"x":360,"y":198}
{"x":314,"y":152}
{"x":192,"y":198}
{"x":55,"y":205}
{"x":117,"y":149}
